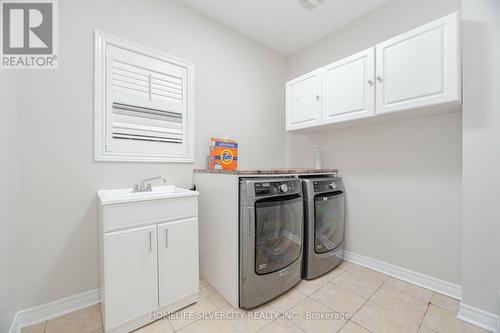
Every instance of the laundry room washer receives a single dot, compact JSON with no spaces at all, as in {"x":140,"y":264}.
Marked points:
{"x":324,"y":224}
{"x":271,"y":238}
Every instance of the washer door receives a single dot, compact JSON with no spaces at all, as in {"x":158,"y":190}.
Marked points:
{"x":278,"y":233}
{"x":328,"y":221}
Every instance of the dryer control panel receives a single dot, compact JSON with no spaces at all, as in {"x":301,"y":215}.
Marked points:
{"x":327,"y":185}
{"x":277,"y":187}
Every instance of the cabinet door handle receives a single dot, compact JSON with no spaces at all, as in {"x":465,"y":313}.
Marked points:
{"x":150,"y":241}
{"x":370,"y":83}
{"x":379,"y":78}
{"x":166,"y":238}
{"x":317,"y":97}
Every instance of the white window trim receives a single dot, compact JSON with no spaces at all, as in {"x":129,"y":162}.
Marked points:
{"x":100,"y":153}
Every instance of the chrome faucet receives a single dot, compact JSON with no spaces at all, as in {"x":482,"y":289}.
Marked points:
{"x":147,"y":187}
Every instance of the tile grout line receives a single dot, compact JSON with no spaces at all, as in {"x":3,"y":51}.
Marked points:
{"x":413,"y":285}
{"x":404,"y":294}
{"x":272,"y":321}
{"x":355,"y":272}
{"x":311,"y":298}
{"x":364,"y":298}
{"x":341,"y":327}
{"x":367,"y":300}
{"x":307,"y":296}
{"x":426,"y":310}
{"x":321,"y":286}
{"x":169,"y":323}
{"x":341,"y":287}
{"x":300,"y":328}
{"x":291,"y":321}
{"x":208,"y":299}
{"x":230,"y":321}
{"x":348,"y":291}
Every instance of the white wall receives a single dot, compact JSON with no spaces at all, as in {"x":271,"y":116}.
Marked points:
{"x":404,"y":211}
{"x":481,"y":161}
{"x":239,"y":93}
{"x":9,"y":196}
{"x":403,"y":178}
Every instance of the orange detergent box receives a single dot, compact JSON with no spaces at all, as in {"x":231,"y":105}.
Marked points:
{"x":223,"y":154}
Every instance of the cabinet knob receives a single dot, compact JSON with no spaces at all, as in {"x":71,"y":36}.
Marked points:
{"x":370,"y":83}
{"x":379,"y":78}
{"x":317,"y":97}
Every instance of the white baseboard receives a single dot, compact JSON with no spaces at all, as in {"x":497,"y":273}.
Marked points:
{"x":13,"y":328}
{"x":53,"y":309}
{"x":422,"y":280}
{"x":478,"y":317}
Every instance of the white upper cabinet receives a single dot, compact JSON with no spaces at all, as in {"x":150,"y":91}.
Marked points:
{"x":349,"y":88}
{"x":303,"y":101}
{"x":413,"y":71}
{"x":419,"y":68}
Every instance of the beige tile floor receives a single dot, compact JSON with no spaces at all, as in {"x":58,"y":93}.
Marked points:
{"x":350,"y":299}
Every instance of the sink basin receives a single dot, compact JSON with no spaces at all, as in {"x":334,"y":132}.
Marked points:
{"x":127,"y":195}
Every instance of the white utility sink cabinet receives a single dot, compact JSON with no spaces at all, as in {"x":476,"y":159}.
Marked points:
{"x":148,"y":249}
{"x":413,"y":72}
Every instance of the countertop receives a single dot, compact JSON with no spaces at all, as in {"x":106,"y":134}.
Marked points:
{"x":284,"y":171}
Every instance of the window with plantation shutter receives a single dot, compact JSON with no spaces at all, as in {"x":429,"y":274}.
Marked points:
{"x":144,"y":104}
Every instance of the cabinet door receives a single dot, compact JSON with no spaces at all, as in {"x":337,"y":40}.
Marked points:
{"x":303,"y":105}
{"x":348,"y":88}
{"x":131,"y":273}
{"x":178,"y":260}
{"x":420,"y":67}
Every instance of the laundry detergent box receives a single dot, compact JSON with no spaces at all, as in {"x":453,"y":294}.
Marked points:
{"x":223,"y":154}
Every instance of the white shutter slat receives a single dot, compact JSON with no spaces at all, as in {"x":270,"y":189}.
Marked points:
{"x":165,"y":104}
{"x":137,"y":123}
{"x":173,"y":90}
{"x":147,"y":98}
{"x":140,"y":82}
{"x":128,"y":79}
{"x":166,"y":94}
{"x":122,"y":70}
{"x":127,"y":75}
{"x":146,"y":133}
{"x":153,"y":123}
{"x":144,"y":64}
{"x":168,"y":82}
{"x":146,"y":78}
{"x":126,"y":128}
{"x":130,"y":88}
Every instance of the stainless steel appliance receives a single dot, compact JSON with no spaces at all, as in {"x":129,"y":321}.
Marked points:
{"x":271,"y":228}
{"x":324,"y":223}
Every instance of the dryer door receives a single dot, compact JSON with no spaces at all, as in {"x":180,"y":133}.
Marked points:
{"x":328,"y":221}
{"x":278,"y":232}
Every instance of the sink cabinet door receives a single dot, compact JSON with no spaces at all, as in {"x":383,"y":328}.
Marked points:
{"x":131,"y":274}
{"x":177,"y":260}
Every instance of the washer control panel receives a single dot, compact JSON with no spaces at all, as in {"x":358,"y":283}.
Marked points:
{"x":279,"y":187}
{"x":327,"y":185}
